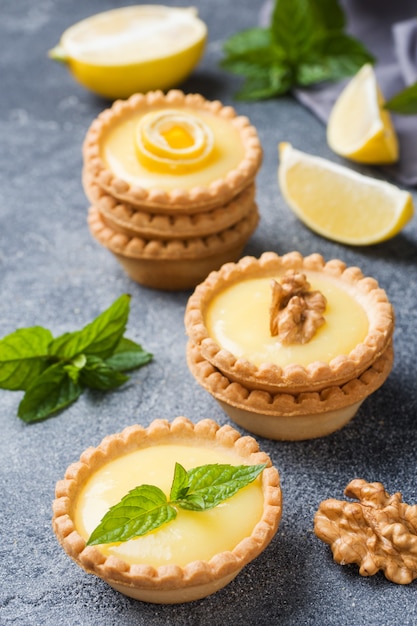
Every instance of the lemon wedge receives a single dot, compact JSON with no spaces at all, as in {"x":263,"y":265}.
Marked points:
{"x":359,"y":128}
{"x":133,"y":49}
{"x":341,"y":204}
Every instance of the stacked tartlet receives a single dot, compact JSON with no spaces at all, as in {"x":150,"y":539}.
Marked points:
{"x":171,"y":181}
{"x":296,"y":365}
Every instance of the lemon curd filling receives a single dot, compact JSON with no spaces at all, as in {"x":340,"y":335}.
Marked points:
{"x":238,"y":320}
{"x":192,"y":535}
{"x":170,"y":149}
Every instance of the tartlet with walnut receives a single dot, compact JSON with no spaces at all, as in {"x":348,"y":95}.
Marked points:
{"x":170,"y":583}
{"x":295,"y":376}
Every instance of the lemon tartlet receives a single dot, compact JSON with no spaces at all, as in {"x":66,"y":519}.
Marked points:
{"x":289,"y":385}
{"x":196,"y":554}
{"x":173,"y":166}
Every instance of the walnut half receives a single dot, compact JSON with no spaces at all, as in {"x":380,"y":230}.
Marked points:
{"x":378,"y":533}
{"x":296,"y":312}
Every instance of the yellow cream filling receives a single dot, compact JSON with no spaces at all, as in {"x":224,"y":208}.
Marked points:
{"x":192,"y":535}
{"x":238,"y":320}
{"x":151,"y":151}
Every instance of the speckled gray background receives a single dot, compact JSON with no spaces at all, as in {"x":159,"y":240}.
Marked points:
{"x":53,"y":273}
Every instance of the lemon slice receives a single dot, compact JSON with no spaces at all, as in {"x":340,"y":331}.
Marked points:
{"x":341,"y":204}
{"x":133,"y":49}
{"x":359,"y":128}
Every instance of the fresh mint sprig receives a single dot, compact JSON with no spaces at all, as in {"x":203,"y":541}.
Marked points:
{"x":306,"y":43}
{"x":53,"y":373}
{"x":146,"y":507}
{"x":404,"y":102}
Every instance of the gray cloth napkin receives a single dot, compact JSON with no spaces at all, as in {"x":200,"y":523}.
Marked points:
{"x":389,"y":30}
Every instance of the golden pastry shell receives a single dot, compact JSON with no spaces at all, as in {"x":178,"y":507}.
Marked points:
{"x":293,"y":378}
{"x":285,"y":416}
{"x":217,"y":193}
{"x":134,"y":222}
{"x":170,"y":583}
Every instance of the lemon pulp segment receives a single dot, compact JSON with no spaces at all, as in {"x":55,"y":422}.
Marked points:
{"x":238,"y":320}
{"x":133,"y":49}
{"x":339,"y":203}
{"x":132,"y":35}
{"x":192,"y":535}
{"x":119,"y":151}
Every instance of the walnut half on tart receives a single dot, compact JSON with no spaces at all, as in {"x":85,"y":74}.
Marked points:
{"x":290,"y":346}
{"x":197,"y":552}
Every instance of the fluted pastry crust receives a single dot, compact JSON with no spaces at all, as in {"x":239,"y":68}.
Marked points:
{"x":293,"y":378}
{"x":169,"y":583}
{"x":217,"y":193}
{"x":151,"y":224}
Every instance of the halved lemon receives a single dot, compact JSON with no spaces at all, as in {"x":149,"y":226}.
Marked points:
{"x":341,"y":204}
{"x":359,"y":128}
{"x":133,"y":49}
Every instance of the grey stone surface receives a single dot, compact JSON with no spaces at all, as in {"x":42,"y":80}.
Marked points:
{"x":52,"y":273}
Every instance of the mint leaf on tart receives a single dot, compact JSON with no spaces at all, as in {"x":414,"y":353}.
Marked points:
{"x":143,"y":509}
{"x":146,"y":507}
{"x":304,"y":44}
{"x":54,"y":372}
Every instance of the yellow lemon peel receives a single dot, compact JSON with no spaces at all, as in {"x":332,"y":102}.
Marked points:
{"x":133,"y":49}
{"x":173,"y":140}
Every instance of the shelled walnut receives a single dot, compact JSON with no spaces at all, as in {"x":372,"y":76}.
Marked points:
{"x":378,"y":533}
{"x":296,"y":311}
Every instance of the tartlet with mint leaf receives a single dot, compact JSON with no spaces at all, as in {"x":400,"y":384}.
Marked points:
{"x":141,"y":510}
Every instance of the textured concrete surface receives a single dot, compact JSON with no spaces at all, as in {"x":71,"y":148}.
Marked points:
{"x":52,"y":273}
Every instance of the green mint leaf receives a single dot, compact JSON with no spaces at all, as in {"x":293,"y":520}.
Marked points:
{"x":336,"y":56}
{"x":328,"y":14}
{"x":100,"y":337}
{"x":143,"y":509}
{"x":305,"y":44}
{"x":263,"y":87}
{"x":250,"y":40}
{"x":294,"y":27}
{"x":211,"y":484}
{"x":128,"y":356}
{"x":180,"y":486}
{"x":49,"y":393}
{"x":404,"y":102}
{"x":98,"y":374}
{"x":75,"y":366}
{"x":23,"y":357}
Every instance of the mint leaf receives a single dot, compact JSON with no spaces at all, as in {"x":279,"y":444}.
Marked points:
{"x":23,"y":357}
{"x":100,"y":337}
{"x":54,"y":372}
{"x":404,"y":102}
{"x":146,"y":508}
{"x":98,"y":374}
{"x":211,"y":484}
{"x":294,"y":26}
{"x":305,"y":44}
{"x":128,"y":356}
{"x":50,"y":392}
{"x":143,"y":509}
{"x":179,"y":488}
